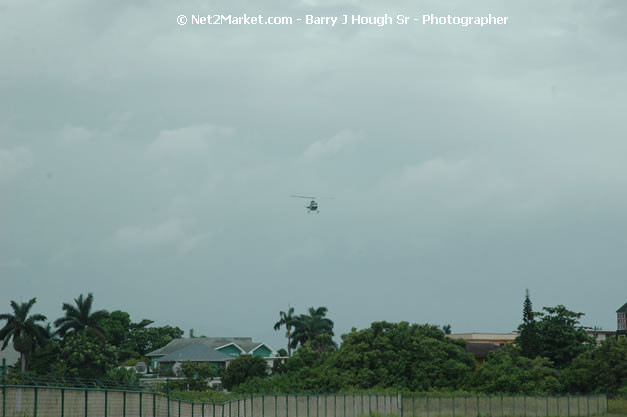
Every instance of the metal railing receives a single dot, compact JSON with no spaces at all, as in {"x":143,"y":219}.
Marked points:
{"x":39,"y":401}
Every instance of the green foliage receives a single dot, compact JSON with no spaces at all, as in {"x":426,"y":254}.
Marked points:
{"x":116,"y":327}
{"x":126,"y":378}
{"x":508,"y":371}
{"x":142,"y":339}
{"x":48,"y":360}
{"x":308,"y":327}
{"x":414,"y":357}
{"x":197,"y":375}
{"x":23,"y":330}
{"x":88,"y":357}
{"x":287,"y":320}
{"x":80,"y":317}
{"x":603,"y":369}
{"x":560,"y":337}
{"x":528,"y":332}
{"x":242,"y":368}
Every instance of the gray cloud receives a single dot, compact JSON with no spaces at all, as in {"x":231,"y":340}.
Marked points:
{"x":152,"y":164}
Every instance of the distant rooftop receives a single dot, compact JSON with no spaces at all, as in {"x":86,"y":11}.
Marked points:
{"x":246,"y":344}
{"x":195,"y":352}
{"x":484,"y":337}
{"x":623,"y":309}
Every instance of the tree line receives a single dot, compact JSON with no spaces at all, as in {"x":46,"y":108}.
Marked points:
{"x":552,"y":354}
{"x":84,"y":342}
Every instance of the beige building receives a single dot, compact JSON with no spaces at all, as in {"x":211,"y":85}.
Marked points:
{"x":499,"y":339}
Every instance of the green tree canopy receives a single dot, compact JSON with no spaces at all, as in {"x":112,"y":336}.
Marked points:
{"x":309,"y":326}
{"x":560,"y":337}
{"x":242,"y":368}
{"x":508,"y":371}
{"x":603,"y":369}
{"x":196,"y":375}
{"x":415,"y":357}
{"x":87,"y":357}
{"x":23,"y":329}
{"x":116,"y":327}
{"x":80,"y":317}
{"x":287,"y":320}
{"x":528,"y":333}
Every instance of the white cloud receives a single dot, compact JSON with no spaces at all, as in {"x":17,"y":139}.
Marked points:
{"x":12,"y":161}
{"x":186,"y":142}
{"x":71,"y":135}
{"x":169,"y":232}
{"x":332,"y":145}
{"x":437,"y":170}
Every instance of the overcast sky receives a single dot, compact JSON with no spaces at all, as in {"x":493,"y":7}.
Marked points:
{"x":151,"y":163}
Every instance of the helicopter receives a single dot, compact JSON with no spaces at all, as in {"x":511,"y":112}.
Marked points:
{"x":313,"y":205}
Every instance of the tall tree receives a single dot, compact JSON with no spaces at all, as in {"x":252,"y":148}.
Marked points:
{"x":80,"y":317}
{"x":528,"y":332}
{"x":309,"y":326}
{"x":287,"y":320}
{"x":23,"y":329}
{"x":560,"y":337}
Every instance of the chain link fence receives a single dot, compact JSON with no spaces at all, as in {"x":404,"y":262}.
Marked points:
{"x":37,"y":401}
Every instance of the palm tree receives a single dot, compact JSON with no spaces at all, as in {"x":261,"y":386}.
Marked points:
{"x":309,"y":326}
{"x":24,"y":330}
{"x":81,"y":318}
{"x":287,"y":320}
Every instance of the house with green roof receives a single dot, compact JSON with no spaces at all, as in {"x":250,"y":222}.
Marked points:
{"x":217,"y":351}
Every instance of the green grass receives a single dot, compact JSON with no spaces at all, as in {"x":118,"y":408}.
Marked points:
{"x":617,"y":407}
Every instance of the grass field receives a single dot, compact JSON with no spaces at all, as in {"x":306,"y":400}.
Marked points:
{"x":617,"y":407}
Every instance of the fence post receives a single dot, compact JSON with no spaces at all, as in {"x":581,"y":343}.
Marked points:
{"x":307,"y":405}
{"x":502,"y":408}
{"x":263,"y":405}
{"x":558,"y":405}
{"x":140,"y":404}
{"x":179,"y":408}
{"x":63,"y":403}
{"x":427,"y":405}
{"x":154,"y":405}
{"x":252,"y":399}
{"x":490,"y":404}
{"x":478,"y":412}
{"x":344,"y":405}
{"x":276,"y":407}
{"x":124,"y":403}
{"x":296,"y":402}
{"x":86,"y":402}
{"x":35,"y":402}
{"x":287,"y":404}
